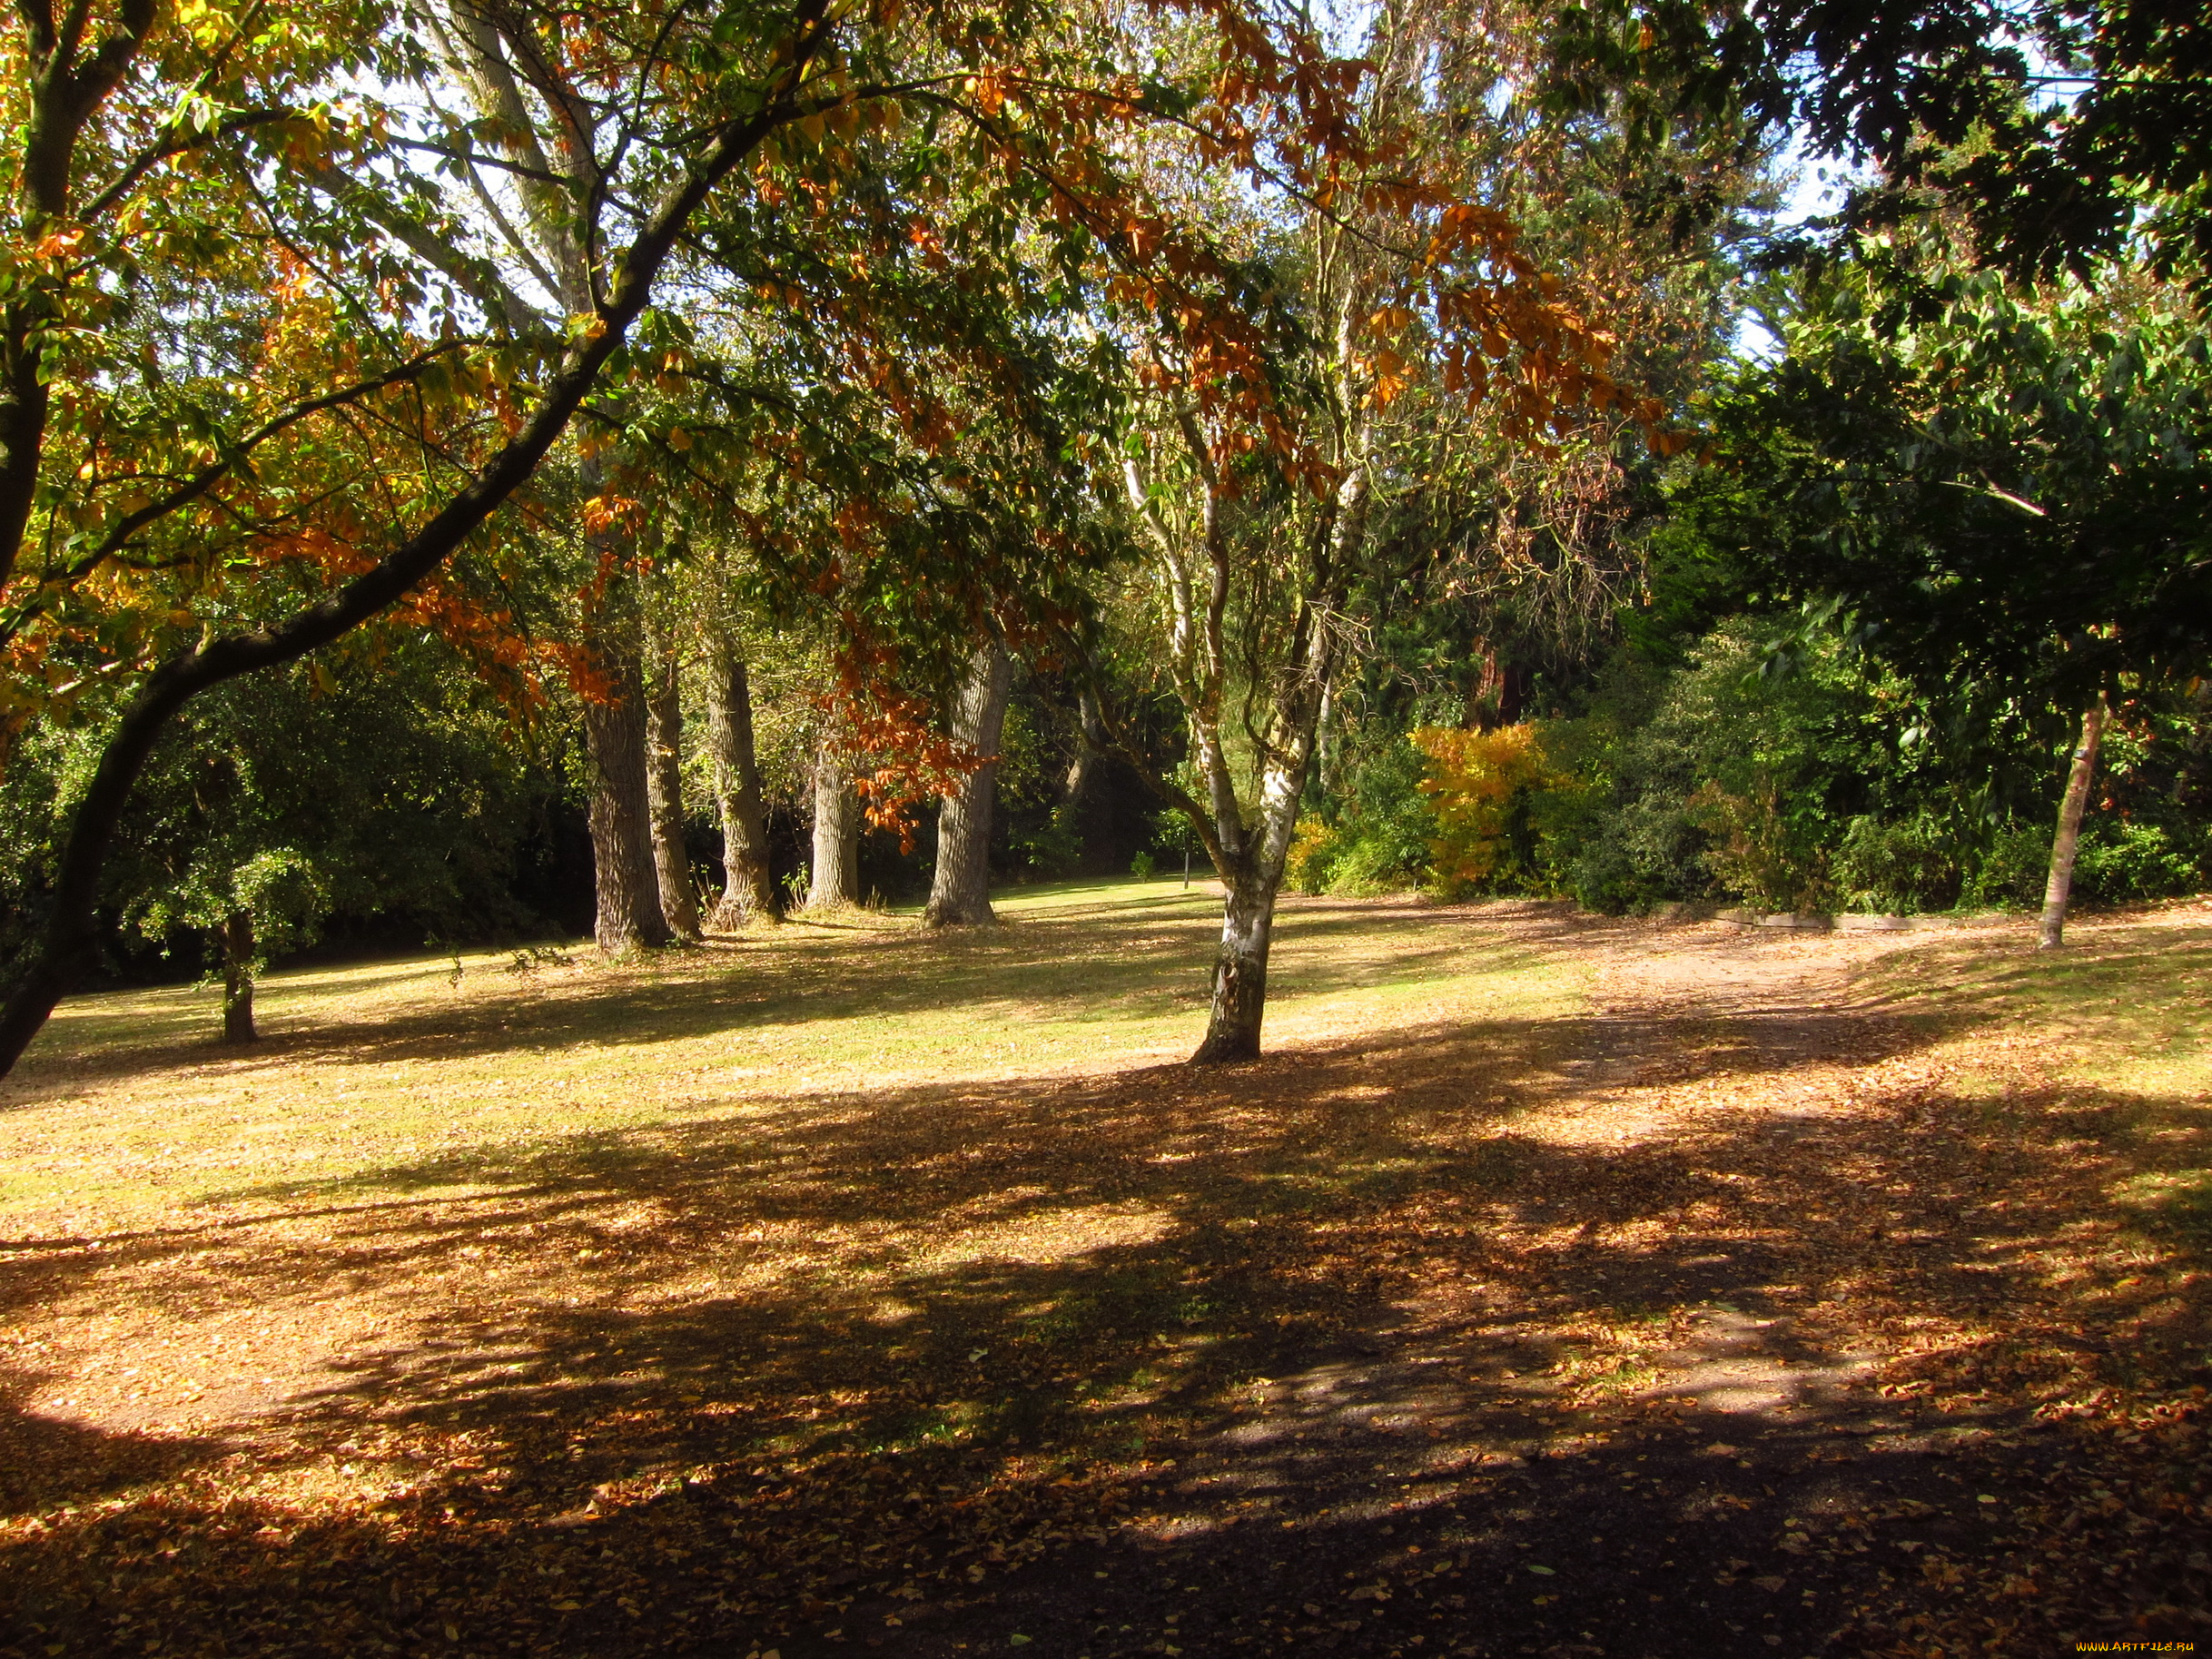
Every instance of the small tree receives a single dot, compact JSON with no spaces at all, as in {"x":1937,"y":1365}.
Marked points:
{"x":1253,"y":459}
{"x":390,"y":786}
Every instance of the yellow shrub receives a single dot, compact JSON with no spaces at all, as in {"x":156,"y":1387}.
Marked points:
{"x":1307,"y":862}
{"x":1474,"y":781}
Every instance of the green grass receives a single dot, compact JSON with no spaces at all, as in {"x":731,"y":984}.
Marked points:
{"x":2129,"y":998}
{"x":399,"y":1076}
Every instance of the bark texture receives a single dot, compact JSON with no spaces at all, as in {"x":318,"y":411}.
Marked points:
{"x":748,"y":889}
{"x":960,"y":890}
{"x":837,"y":865}
{"x":1090,"y":750}
{"x":1240,"y":972}
{"x":237,"y":978}
{"x":2060,"y":888}
{"x":624,"y":880}
{"x":680,"y":899}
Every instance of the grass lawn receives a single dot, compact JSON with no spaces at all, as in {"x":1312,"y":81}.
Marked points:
{"x":1555,"y":1285}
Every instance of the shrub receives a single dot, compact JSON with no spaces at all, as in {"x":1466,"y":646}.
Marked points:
{"x":1758,"y":853}
{"x":1051,"y":848}
{"x":1480,"y":786}
{"x":2123,"y":860}
{"x":1313,"y":848}
{"x":2013,"y":869}
{"x":1377,"y":839}
{"x":1905,"y":867}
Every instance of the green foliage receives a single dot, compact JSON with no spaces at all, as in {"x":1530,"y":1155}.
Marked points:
{"x":1050,"y":846}
{"x":1378,"y":839}
{"x":2124,"y":860}
{"x":1037,"y":829}
{"x":1994,"y":489}
{"x":1900,"y":867}
{"x":383,"y":784}
{"x":1823,"y":781}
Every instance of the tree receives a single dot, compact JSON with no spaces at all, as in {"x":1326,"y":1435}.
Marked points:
{"x":1251,"y":465}
{"x":748,"y":887}
{"x":1998,"y":488}
{"x":2052,"y":932}
{"x":2068,"y":132}
{"x":663,"y":707}
{"x":960,"y":887}
{"x":383,"y":780}
{"x":73,"y":188}
{"x":834,"y":878}
{"x":397,"y":391}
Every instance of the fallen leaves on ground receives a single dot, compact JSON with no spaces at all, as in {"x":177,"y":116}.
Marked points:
{"x":1801,"y":1288}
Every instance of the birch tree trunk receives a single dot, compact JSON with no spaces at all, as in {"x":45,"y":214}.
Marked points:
{"x":836,"y":855}
{"x":237,"y":978}
{"x":960,"y":890}
{"x":680,"y":899}
{"x":748,"y":888}
{"x":2059,"y":889}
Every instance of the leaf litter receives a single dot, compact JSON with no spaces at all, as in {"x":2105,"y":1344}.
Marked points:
{"x":1830,"y":1295}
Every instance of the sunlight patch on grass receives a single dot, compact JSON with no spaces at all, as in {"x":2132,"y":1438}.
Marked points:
{"x":406,"y":1078}
{"x":1043,"y":1237}
{"x":2129,"y":996}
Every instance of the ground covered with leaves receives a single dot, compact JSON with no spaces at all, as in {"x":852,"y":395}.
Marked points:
{"x":1557,"y":1286}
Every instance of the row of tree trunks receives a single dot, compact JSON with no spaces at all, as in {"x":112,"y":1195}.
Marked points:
{"x":642,"y":869}
{"x":960,"y":890}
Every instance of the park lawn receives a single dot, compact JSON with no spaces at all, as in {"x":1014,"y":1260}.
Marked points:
{"x":2111,"y":1031}
{"x":462,"y":1071}
{"x":842,"y":1284}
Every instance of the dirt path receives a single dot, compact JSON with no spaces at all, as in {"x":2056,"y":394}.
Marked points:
{"x":1764,"y":1301}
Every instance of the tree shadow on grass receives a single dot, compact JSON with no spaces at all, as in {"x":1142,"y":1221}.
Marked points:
{"x":1349,"y":1342}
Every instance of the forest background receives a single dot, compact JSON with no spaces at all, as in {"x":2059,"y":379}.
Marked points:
{"x":496,"y":472}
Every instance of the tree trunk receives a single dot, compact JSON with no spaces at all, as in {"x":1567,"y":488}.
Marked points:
{"x":623,"y":876}
{"x":1089,"y":749}
{"x":836,"y":865}
{"x":2060,"y":887}
{"x":1241,"y":970}
{"x":748,"y":888}
{"x":237,"y":978}
{"x":680,"y":899}
{"x":1251,"y":870}
{"x":960,"y":891}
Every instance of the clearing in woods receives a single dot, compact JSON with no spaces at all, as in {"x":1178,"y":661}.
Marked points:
{"x":1557,"y":1284}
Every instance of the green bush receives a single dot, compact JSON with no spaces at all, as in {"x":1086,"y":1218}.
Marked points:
{"x":1378,"y":839}
{"x":2013,"y":869}
{"x":2124,"y":860}
{"x":1901,"y":867}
